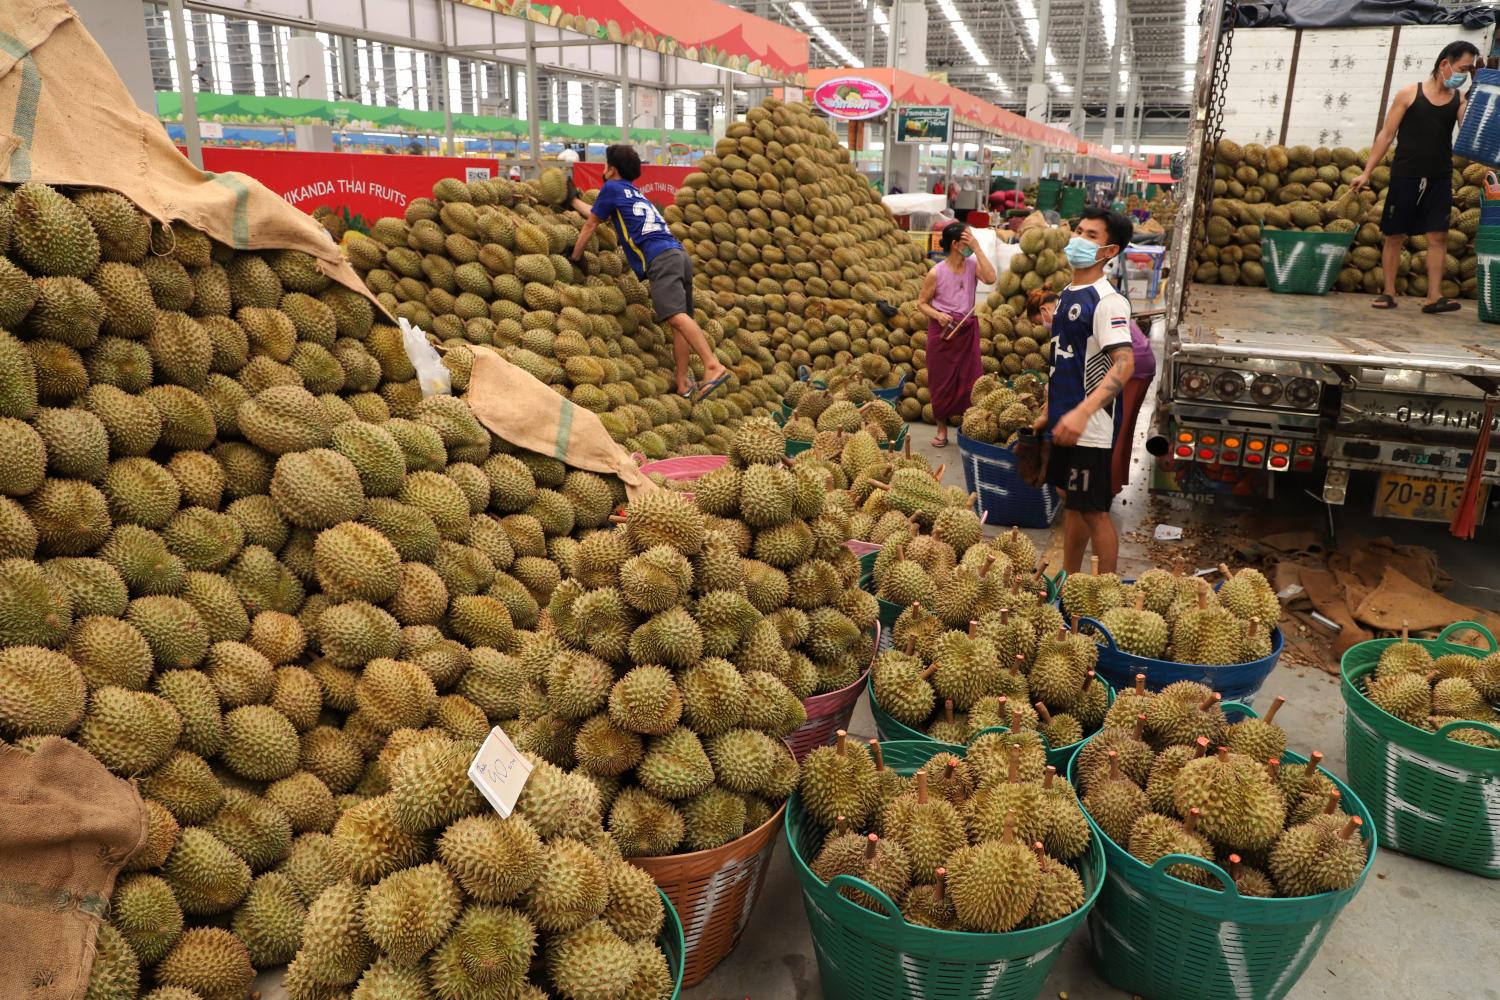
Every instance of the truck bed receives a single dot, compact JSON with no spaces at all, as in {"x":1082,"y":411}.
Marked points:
{"x":1343,"y":328}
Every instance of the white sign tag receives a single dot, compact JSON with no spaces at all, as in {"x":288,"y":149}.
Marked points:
{"x":499,"y":772}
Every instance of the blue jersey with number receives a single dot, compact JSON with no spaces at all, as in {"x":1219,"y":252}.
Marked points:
{"x":642,"y":231}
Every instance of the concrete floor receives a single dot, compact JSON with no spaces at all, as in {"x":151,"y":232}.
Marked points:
{"x":1415,"y":930}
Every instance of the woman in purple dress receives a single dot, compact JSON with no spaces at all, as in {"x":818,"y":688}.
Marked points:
{"x":947,"y":300}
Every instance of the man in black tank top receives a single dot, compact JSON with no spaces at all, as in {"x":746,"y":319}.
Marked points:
{"x":1419,"y":198}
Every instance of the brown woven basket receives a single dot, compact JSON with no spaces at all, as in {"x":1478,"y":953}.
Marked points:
{"x":714,"y":892}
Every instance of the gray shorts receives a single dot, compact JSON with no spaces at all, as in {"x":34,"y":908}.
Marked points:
{"x":670,"y":274}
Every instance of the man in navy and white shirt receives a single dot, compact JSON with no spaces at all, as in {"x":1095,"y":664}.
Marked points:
{"x":1091,"y":362}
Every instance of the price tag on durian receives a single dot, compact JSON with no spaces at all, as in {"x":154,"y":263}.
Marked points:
{"x":499,"y":772}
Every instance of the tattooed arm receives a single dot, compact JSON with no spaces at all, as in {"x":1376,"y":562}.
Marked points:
{"x":1073,"y":423}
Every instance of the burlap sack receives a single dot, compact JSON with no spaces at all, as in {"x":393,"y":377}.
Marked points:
{"x":66,"y":119}
{"x":1032,"y":221}
{"x":67,"y":827}
{"x":522,"y":410}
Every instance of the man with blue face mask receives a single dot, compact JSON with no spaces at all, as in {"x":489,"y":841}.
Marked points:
{"x":1092,"y":359}
{"x":1419,"y":199}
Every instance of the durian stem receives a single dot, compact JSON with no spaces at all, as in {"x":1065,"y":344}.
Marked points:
{"x":1234,"y":865}
{"x":1062,"y":633}
{"x":877,"y":484}
{"x":1014,"y":774}
{"x":1210,"y":701}
{"x":1088,"y":678}
{"x":1275,"y":707}
{"x":1202,"y":596}
{"x":1041,"y":710}
{"x":908,"y":447}
{"x":948,"y":770}
{"x":1312,"y":763}
{"x":1405,"y":633}
{"x":973,"y":627}
{"x":1333,"y":802}
{"x":1005,"y":616}
{"x":1093,"y":565}
{"x":1040,"y":852}
{"x":1202,"y":744}
{"x":1018,"y":664}
{"x":1140,"y":601}
{"x":1224,"y":754}
{"x":1350,"y":827}
{"x":1140,"y":684}
{"x":989,"y":560}
{"x":900,"y":555}
{"x":922,"y":788}
{"x":1140,"y":726}
{"x":1015,"y":722}
{"x":1114,"y":765}
{"x":938,"y":475}
{"x":1191,"y":822}
{"x":1051,"y":774}
{"x":1008,"y":832}
{"x":973,"y":499}
{"x":879,"y":755}
{"x":927,"y":674}
{"x":948,"y":710}
{"x":1224,"y":571}
{"x":1251,"y":627}
{"x":839,"y":746}
{"x":873,"y":843}
{"x":615,"y":518}
{"x":911,"y":644}
{"x":1273,"y":768}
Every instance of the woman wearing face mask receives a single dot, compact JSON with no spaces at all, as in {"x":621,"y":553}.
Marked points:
{"x":1420,"y":197}
{"x":947,"y":300}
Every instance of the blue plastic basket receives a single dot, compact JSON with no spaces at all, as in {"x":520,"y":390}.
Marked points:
{"x":991,"y":471}
{"x":1479,"y":135}
{"x":892,"y":396}
{"x":1235,"y":681}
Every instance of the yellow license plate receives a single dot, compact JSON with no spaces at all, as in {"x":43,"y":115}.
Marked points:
{"x":1416,"y":498}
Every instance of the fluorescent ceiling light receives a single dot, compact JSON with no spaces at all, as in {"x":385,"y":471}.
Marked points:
{"x":961,"y":31}
{"x":1028,"y":15}
{"x":1190,"y":42}
{"x":1107,"y":15}
{"x":825,"y":36}
{"x":882,"y":20}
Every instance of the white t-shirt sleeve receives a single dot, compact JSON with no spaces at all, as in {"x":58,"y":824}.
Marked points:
{"x":1112,"y":322}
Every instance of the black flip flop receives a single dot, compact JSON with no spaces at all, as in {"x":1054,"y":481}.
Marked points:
{"x":1442,"y":305}
{"x":1383,"y":302}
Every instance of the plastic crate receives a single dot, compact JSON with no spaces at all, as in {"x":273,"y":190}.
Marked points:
{"x":1235,"y":681}
{"x":893,"y":729}
{"x":990,"y":470}
{"x":1298,"y":263}
{"x":1431,"y":797}
{"x":1479,"y":135}
{"x":1160,"y":937}
{"x":866,"y":955}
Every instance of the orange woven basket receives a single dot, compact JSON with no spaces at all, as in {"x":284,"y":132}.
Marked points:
{"x":714,"y":892}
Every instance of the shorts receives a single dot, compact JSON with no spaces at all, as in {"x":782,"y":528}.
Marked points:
{"x":1085,"y":473}
{"x":1417,"y":205}
{"x":670,"y":274}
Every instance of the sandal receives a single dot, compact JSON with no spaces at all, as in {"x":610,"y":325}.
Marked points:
{"x":1384,"y":302}
{"x":1442,"y":305}
{"x":940,"y":442}
{"x":707,"y":389}
{"x":691,"y":390}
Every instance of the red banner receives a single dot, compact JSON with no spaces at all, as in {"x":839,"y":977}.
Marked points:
{"x":660,"y":184}
{"x":362,"y":187}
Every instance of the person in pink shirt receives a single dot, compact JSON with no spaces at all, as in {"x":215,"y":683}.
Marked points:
{"x":947,"y":300}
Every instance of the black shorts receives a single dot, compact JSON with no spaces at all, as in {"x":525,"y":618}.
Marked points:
{"x":670,"y":274}
{"x":1084,"y":473}
{"x":1417,"y":205}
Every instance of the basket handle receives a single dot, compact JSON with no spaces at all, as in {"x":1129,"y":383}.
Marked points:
{"x":892,"y":911}
{"x":1159,"y":870}
{"x":902,"y":384}
{"x":1484,"y":633}
{"x":875,"y":654}
{"x":1240,"y":707}
{"x":1004,"y":730}
{"x":1456,"y":724}
{"x":1098,"y":626}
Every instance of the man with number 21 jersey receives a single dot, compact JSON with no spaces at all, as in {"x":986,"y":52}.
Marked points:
{"x":656,"y":258}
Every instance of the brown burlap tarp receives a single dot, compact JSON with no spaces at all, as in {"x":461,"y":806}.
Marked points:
{"x":523,"y":411}
{"x":67,"y":119}
{"x":67,"y":826}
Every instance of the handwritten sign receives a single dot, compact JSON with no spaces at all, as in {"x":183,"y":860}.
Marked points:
{"x":499,"y":772}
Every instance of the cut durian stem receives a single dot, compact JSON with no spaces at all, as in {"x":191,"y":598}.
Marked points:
{"x":1312,"y":763}
{"x":1088,"y":678}
{"x":1252,"y":627}
{"x":841,"y":825}
{"x":1275,"y":707}
{"x":1093,"y":565}
{"x":1114,"y":765}
{"x":1273,"y":769}
{"x":1224,"y":572}
{"x":1224,"y":754}
{"x":1211,"y":701}
{"x":1008,"y":831}
{"x":878,"y":754}
{"x":989,"y":560}
{"x":922,"y":787}
{"x":1190,"y":822}
{"x":1140,"y":684}
{"x":1202,"y":596}
{"x":1049,"y":777}
{"x":1016,"y":725}
{"x":1333,"y":802}
{"x":941,"y":882}
{"x":871,"y":846}
{"x":1018,"y":664}
{"x":938,"y":475}
{"x":1140,"y":727}
{"x":947,"y":709}
{"x":973,"y":627}
{"x":1140,"y":601}
{"x":927,"y":674}
{"x":838,"y":746}
{"x":1351,"y":827}
{"x":1013,"y":775}
{"x":1202,"y":744}
{"x":1005,"y":616}
{"x":1041,"y":710}
{"x":1040,"y":852}
{"x":877,"y":484}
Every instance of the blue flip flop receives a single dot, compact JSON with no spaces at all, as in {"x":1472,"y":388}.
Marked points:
{"x":692,"y":388}
{"x":708,"y":390}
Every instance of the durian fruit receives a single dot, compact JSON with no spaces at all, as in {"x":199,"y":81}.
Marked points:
{"x":1066,"y":828}
{"x":1153,"y":836}
{"x":949,"y":726}
{"x":1248,"y":595}
{"x":1324,"y":855}
{"x":1206,"y":634}
{"x":1138,"y":630}
{"x":1249,"y":880}
{"x":1183,"y":711}
{"x":993,"y":884}
{"x":928,"y":904}
{"x":1240,"y":808}
{"x":1115,"y":801}
{"x":931,"y":829}
{"x":1059,"y":893}
{"x":839,"y":781}
{"x":1407,"y":696}
{"x":1258,"y":739}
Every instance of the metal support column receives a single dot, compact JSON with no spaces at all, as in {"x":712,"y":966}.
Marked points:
{"x":948,"y":180}
{"x":1076,"y":118}
{"x":1122,"y":25}
{"x":443,"y":76}
{"x":728,"y":100}
{"x":533,"y":124}
{"x":186,"y":83}
{"x":1128,"y":125}
{"x":1043,"y":25}
{"x":627,"y":110}
{"x":886,"y":128}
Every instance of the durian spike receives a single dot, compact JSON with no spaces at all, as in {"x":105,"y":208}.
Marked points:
{"x":841,"y":825}
{"x":1210,"y":701}
{"x":922,"y":787}
{"x":879,"y":755}
{"x":1114,"y":765}
{"x":947,"y":709}
{"x":1051,"y":774}
{"x":1041,"y":710}
{"x":927,"y":674}
{"x":1273,"y":768}
{"x":1202,"y":744}
{"x":1350,"y":827}
{"x":989,"y":560}
{"x":1275,"y":707}
{"x":1190,"y":822}
{"x":873,"y":843}
{"x":1140,"y":726}
{"x":1140,"y":684}
{"x":1313,"y":761}
{"x":1093,"y":565}
{"x":941,"y":873}
{"x":1014,"y":773}
{"x":843,"y":734}
{"x":973,"y":627}
{"x":1333,"y":802}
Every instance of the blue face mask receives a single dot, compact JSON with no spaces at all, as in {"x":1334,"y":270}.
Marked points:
{"x":1458,"y":81}
{"x":1082,"y":252}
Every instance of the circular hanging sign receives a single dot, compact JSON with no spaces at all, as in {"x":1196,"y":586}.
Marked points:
{"x":851,"y":98}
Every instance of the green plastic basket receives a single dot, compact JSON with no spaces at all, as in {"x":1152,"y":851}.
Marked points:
{"x":1163,"y":938}
{"x":864,"y":955}
{"x":890,"y":611}
{"x":669,"y":939}
{"x":1298,"y":263}
{"x":891,"y":728}
{"x":1431,"y":797}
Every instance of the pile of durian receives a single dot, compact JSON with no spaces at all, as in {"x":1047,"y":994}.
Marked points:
{"x":1430,"y":692}
{"x":1000,"y":408}
{"x":1167,"y":616}
{"x":1169,"y":775}
{"x":985,"y":842}
{"x":795,"y":248}
{"x":487,"y":263}
{"x":248,"y":565}
{"x":845,"y":405}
